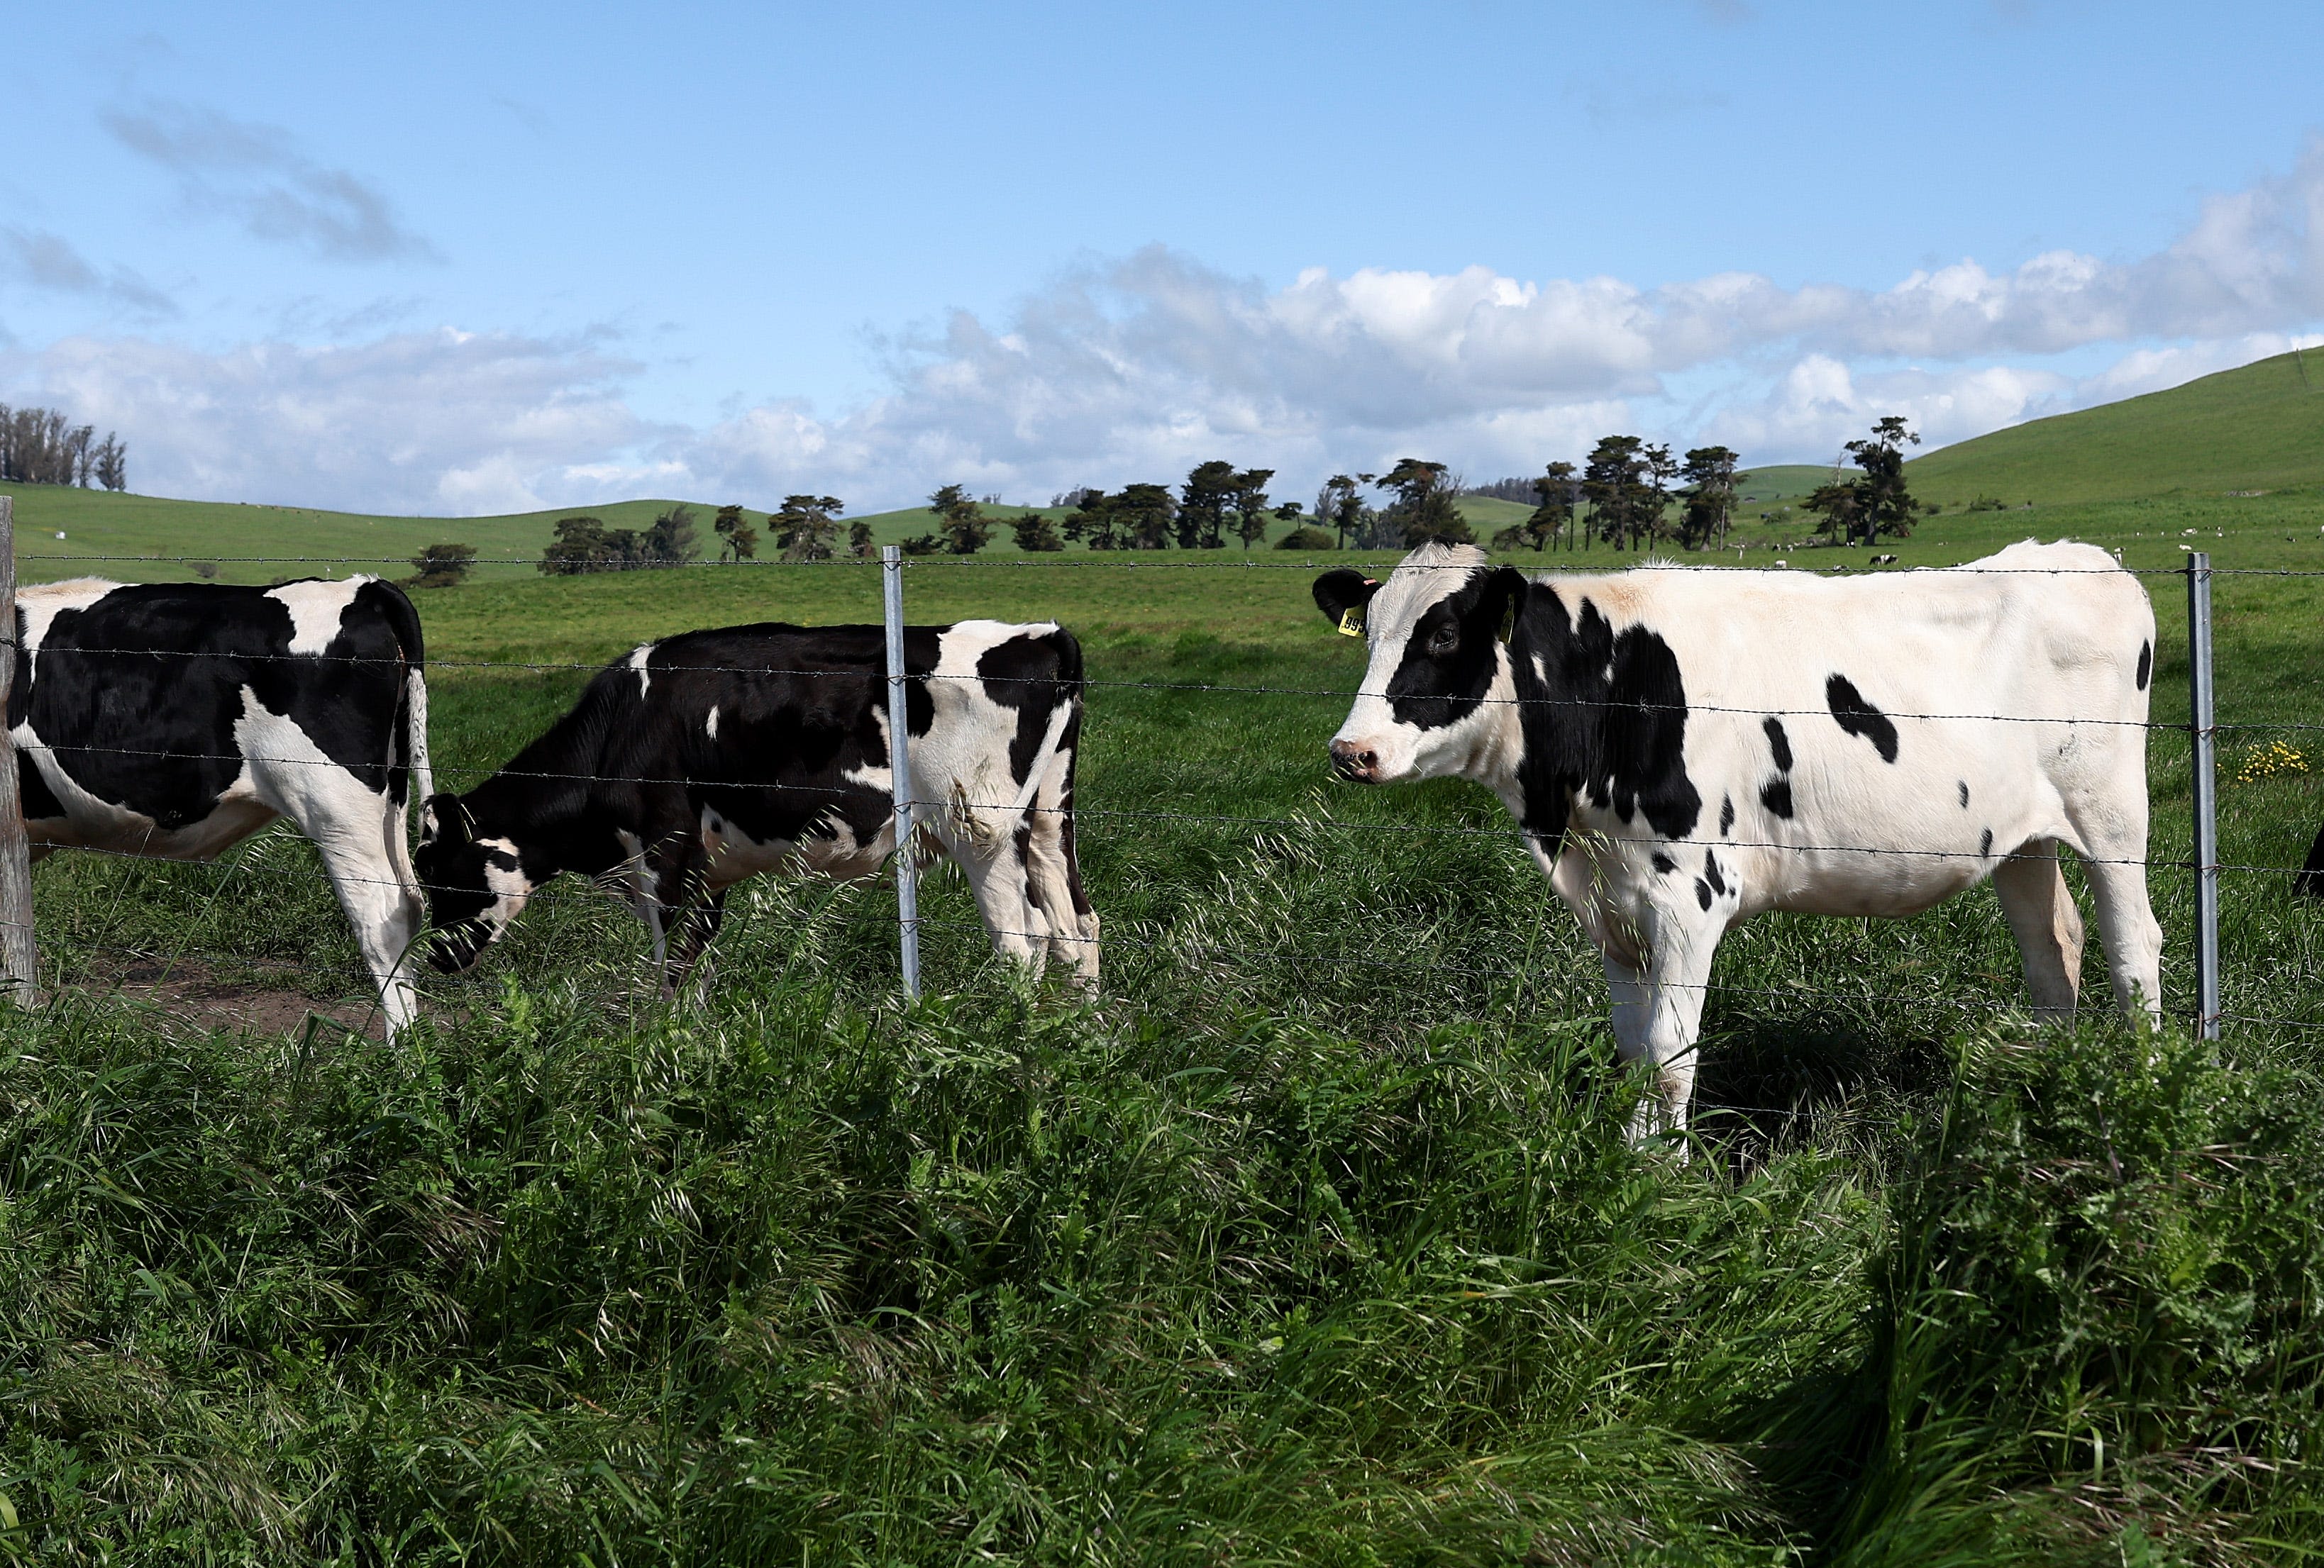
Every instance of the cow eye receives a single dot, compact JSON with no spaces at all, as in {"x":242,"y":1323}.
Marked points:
{"x":1444,"y":641}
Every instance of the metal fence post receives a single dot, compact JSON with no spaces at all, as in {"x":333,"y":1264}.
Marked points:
{"x":900,"y":769}
{"x":19,"y":960}
{"x":2202,"y":711}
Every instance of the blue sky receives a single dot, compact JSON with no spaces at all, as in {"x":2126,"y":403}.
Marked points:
{"x":473,"y":258}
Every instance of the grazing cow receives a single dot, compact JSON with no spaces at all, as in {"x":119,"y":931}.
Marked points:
{"x":700,"y":760}
{"x":175,"y":719}
{"x":1684,"y":748}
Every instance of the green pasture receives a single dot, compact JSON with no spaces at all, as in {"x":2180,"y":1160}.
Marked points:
{"x":1312,"y":1239}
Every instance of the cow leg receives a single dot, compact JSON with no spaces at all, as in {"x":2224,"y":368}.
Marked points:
{"x":1001,"y":883}
{"x":1056,"y":877}
{"x":359,"y":833}
{"x":670,"y":891}
{"x":1669,"y":1017}
{"x":691,"y":933}
{"x":2114,"y":856}
{"x":2032,"y":886}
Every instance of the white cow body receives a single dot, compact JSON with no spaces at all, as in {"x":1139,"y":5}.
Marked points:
{"x":1853,"y":746}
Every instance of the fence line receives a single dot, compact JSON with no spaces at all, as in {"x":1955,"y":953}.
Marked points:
{"x":2202,"y":728}
{"x":1121,"y":561}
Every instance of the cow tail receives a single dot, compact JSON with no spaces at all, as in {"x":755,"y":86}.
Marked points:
{"x":423,"y":775}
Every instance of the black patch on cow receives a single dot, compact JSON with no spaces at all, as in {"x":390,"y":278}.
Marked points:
{"x":1664,"y":864}
{"x":2309,"y":880}
{"x":1711,"y":872}
{"x":1032,"y":675}
{"x":1779,"y":743}
{"x":1600,"y":712}
{"x":1858,"y":717}
{"x":1726,"y":814}
{"x":41,"y":804}
{"x":2145,"y":663}
{"x":1702,"y":892}
{"x":1985,"y":845}
{"x":137,"y":693}
{"x":1775,"y":794}
{"x":1964,"y":794}
{"x":1453,"y":652}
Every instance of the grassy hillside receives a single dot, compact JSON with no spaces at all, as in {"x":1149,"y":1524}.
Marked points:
{"x":2257,"y":427}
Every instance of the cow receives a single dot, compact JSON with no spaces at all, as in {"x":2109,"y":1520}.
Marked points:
{"x":700,"y":760}
{"x":1684,"y":748}
{"x":176,"y":719}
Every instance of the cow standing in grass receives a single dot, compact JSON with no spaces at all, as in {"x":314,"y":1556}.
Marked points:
{"x":705,"y":758}
{"x":1687,"y":748}
{"x":176,"y":719}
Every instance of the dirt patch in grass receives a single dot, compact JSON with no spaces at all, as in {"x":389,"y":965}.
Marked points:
{"x":196,"y":994}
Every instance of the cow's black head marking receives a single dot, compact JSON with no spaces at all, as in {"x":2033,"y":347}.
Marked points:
{"x":474,"y":887}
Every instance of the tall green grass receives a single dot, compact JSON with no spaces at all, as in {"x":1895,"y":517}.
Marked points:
{"x":1314,"y":1238}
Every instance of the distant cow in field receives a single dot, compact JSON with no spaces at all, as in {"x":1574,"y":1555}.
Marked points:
{"x":175,"y":719}
{"x":708,"y":758}
{"x":1684,"y":748}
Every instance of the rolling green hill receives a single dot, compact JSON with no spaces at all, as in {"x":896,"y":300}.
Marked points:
{"x":2258,"y":427}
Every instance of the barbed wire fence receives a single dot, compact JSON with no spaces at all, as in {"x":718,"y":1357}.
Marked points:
{"x":2205,"y":866}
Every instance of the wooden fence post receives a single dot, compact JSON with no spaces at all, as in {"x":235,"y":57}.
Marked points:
{"x":19,"y":961}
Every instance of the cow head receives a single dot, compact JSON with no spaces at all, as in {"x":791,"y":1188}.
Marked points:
{"x":1435,"y":629}
{"x":475,"y":884}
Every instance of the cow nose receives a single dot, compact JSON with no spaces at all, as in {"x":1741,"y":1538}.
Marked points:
{"x":1352,"y":761}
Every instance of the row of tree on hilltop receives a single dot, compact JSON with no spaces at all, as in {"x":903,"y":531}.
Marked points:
{"x":1629,"y":494}
{"x":44,"y":446}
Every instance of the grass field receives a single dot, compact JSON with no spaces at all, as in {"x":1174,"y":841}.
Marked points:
{"x":2257,"y":427}
{"x":1314,"y":1239}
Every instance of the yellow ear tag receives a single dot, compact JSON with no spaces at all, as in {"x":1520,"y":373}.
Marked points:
{"x":1351,"y":621}
{"x":1508,"y":620}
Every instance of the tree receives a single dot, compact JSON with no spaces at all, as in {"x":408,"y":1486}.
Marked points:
{"x":1859,"y":510}
{"x":1144,"y":513}
{"x":1556,"y":491}
{"x":1839,"y":504}
{"x":1249,"y":497}
{"x":581,"y":545}
{"x":960,"y":521}
{"x":1709,"y":474}
{"x":859,"y":539}
{"x":1661,"y":469}
{"x":670,"y":541}
{"x":1205,"y":497}
{"x":1614,"y":483}
{"x":738,"y":540}
{"x":1886,"y":505}
{"x":43,"y":446}
{"x":441,"y":565}
{"x":1035,"y":534}
{"x":113,"y":463}
{"x":1339,"y":507}
{"x":804,"y":525}
{"x":1423,"y":510}
{"x":1093,"y":521}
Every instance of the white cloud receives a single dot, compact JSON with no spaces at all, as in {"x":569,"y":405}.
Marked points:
{"x":418,"y":422}
{"x":1140,"y":367}
{"x":256,"y":175}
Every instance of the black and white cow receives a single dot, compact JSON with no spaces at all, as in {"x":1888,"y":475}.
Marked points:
{"x":707,"y":758}
{"x":175,"y":719}
{"x":1684,"y":748}
{"x":2309,"y":878}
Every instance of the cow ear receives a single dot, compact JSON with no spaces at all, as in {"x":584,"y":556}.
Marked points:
{"x":1342,"y":595}
{"x":442,"y":814}
{"x":1509,"y":586}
